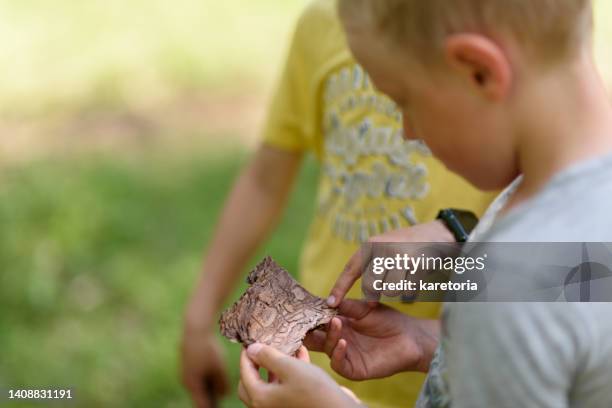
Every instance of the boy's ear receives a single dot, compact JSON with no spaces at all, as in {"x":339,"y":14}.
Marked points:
{"x":482,"y":61}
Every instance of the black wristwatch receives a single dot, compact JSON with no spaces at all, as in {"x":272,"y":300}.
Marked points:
{"x":460,"y":222}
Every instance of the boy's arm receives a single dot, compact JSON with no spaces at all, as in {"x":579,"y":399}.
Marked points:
{"x":251,"y":211}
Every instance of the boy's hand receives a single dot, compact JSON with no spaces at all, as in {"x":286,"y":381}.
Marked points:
{"x":297,"y":383}
{"x":434,"y":231}
{"x":204,"y":372}
{"x":375,"y":341}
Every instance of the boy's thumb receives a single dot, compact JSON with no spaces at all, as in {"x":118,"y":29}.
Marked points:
{"x":270,"y":358}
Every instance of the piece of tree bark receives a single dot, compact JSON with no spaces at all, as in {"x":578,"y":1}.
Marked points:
{"x":275,"y":310}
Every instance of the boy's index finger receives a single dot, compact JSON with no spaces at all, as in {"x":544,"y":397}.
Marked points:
{"x":351,"y":273}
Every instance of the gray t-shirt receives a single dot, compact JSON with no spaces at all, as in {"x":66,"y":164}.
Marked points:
{"x":551,"y":355}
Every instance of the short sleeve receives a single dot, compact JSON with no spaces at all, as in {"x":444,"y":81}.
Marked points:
{"x":291,"y":117}
{"x":512,"y":354}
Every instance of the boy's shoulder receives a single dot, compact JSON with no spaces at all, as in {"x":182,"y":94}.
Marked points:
{"x":554,"y":340}
{"x":319,"y":22}
{"x":319,"y":40}
{"x":573,"y":207}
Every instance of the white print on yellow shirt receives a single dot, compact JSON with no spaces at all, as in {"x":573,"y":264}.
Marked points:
{"x":370,"y":173}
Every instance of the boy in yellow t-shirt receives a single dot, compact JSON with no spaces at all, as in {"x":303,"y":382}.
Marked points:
{"x":371,"y":182}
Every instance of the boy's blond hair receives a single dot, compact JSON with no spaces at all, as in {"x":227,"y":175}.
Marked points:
{"x":547,"y":30}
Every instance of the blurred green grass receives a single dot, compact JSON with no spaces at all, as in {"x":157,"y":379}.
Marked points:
{"x":97,"y":258}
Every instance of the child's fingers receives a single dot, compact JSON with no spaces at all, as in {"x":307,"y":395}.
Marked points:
{"x":333,"y":335}
{"x":351,"y":394}
{"x":303,"y":355}
{"x":244,"y":395}
{"x":348,"y":277}
{"x":355,"y":309}
{"x":315,"y":340}
{"x":339,"y":362}
{"x":249,"y":376}
{"x":272,"y":360}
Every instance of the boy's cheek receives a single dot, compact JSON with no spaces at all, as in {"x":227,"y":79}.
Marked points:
{"x":440,"y":138}
{"x":456,"y":153}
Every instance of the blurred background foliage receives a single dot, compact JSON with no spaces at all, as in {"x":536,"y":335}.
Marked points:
{"x":122,"y":126}
{"x":138,"y":51}
{"x":98,"y":257}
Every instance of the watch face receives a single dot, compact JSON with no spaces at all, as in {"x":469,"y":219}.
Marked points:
{"x":468,"y":220}
{"x":460,"y":223}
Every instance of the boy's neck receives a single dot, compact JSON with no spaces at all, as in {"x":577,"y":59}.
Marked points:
{"x":565,"y":117}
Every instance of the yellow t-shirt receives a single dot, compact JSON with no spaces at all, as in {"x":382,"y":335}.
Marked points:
{"x":371,"y":179}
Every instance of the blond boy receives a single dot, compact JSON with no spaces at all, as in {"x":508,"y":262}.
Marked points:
{"x":497,"y":89}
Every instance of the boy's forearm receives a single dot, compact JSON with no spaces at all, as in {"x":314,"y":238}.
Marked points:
{"x":251,"y":211}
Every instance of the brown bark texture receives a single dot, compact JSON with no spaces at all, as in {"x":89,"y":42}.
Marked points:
{"x":275,"y":310}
